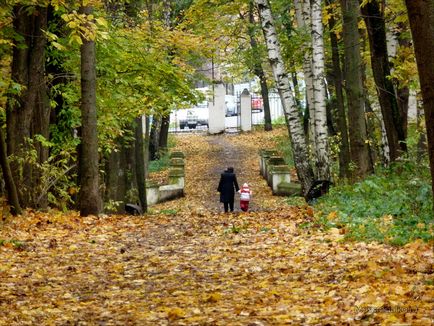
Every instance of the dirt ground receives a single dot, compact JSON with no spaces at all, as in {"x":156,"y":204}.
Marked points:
{"x":208,"y":156}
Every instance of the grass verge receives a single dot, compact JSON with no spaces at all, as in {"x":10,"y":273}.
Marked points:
{"x":393,"y":206}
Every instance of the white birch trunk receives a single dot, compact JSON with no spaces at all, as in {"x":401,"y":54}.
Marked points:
{"x":302,"y":11}
{"x":319,"y":93}
{"x":385,"y":151}
{"x":292,"y":114}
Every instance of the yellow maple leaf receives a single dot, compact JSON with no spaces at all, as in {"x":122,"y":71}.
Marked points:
{"x":332,"y":216}
{"x":213,"y":297}
{"x":175,"y":313}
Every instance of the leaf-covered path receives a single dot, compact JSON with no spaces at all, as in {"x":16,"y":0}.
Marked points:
{"x":189,"y":264}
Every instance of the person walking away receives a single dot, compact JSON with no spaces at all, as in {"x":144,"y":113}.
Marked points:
{"x":227,"y":186}
{"x":245,"y":194}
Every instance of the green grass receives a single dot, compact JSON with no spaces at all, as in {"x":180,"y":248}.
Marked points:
{"x":15,"y":243}
{"x":169,"y":211}
{"x":393,"y":206}
{"x":284,"y":147}
{"x":163,"y":162}
{"x":160,"y":164}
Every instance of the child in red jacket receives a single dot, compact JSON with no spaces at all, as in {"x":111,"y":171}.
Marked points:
{"x":245,"y":194}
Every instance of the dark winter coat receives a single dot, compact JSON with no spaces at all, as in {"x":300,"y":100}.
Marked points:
{"x":227,"y":186}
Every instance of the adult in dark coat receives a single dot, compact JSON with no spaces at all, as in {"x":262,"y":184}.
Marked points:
{"x":227,"y":186}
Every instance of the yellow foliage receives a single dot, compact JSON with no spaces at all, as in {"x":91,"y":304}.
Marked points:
{"x":201,"y":266}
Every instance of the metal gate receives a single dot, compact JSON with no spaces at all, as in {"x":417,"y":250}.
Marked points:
{"x":276,"y":110}
{"x":233,"y":116}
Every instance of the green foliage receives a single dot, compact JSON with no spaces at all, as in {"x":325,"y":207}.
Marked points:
{"x":393,"y":206}
{"x":159,"y":165}
{"x":279,"y":121}
{"x":112,"y":205}
{"x":57,"y":173}
{"x":284,"y":147}
{"x":169,"y":211}
{"x":296,"y":201}
{"x":163,"y":162}
{"x":137,"y":75}
{"x":234,"y":228}
{"x":14,"y":243}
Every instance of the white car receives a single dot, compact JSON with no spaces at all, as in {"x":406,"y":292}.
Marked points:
{"x":194,"y":117}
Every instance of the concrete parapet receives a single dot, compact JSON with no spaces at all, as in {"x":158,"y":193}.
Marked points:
{"x":177,"y":154}
{"x":175,"y":189}
{"x":263,"y":155}
{"x":279,"y":174}
{"x":177,"y":177}
{"x":271,"y":162}
{"x":152,"y":194}
{"x":288,"y":189}
{"x":168,"y":192}
{"x":176,"y":162}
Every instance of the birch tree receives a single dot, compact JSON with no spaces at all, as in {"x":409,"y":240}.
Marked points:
{"x":319,"y":96}
{"x":302,"y":10}
{"x":292,"y":114}
{"x":309,"y":18}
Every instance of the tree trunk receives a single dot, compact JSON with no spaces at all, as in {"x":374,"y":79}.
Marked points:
{"x":147,"y":142}
{"x":292,"y":114}
{"x":359,"y":148}
{"x":266,"y":100}
{"x":28,"y":113}
{"x":341,"y":118}
{"x":421,"y":16}
{"x":140,"y":164}
{"x":258,"y":70}
{"x":421,"y":142}
{"x":303,"y":16}
{"x":89,"y":182}
{"x":154,"y":142}
{"x":117,"y":174}
{"x":164,"y":133}
{"x":11,"y":189}
{"x":403,"y":91}
{"x":376,"y":27}
{"x":322,"y":160}
{"x":296,"y":88}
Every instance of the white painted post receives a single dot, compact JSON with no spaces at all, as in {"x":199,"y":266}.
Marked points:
{"x":217,"y":108}
{"x":246,"y":111}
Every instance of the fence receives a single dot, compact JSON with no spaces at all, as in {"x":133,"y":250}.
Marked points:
{"x":233,"y":112}
{"x":276,"y":110}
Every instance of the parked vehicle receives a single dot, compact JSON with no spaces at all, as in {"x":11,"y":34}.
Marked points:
{"x":257,"y":104}
{"x":231,"y":105}
{"x":194,"y":117}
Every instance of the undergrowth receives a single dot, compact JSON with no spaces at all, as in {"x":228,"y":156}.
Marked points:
{"x":163,"y":162}
{"x":393,"y":206}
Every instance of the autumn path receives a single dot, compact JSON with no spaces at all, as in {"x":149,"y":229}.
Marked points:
{"x":187,"y":263}
{"x":208,"y":156}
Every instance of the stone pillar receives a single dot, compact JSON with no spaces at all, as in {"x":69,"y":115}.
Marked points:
{"x":264,"y":154}
{"x":152,"y":194}
{"x":217,"y":108}
{"x":269,"y":163}
{"x":279,"y":174}
{"x":177,"y":154}
{"x":246,"y":111}
{"x":177,"y":177}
